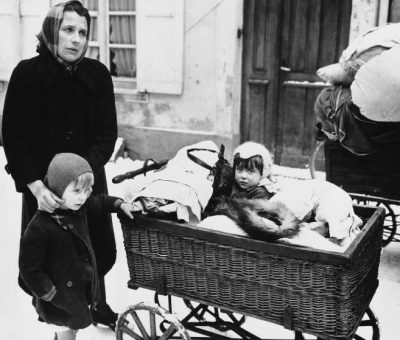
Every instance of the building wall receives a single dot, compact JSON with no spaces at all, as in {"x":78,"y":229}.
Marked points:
{"x":157,"y":125}
{"x":209,"y":107}
{"x":367,"y":14}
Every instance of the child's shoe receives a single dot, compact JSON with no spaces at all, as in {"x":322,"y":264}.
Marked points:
{"x":105,"y":316}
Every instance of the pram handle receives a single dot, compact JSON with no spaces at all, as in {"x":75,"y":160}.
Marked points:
{"x":143,"y":170}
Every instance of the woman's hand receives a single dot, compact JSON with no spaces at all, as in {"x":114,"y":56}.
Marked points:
{"x":127,"y":208}
{"x":47,"y":200}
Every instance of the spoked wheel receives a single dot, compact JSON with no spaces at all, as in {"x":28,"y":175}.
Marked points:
{"x":367,"y":330}
{"x":132,"y":323}
{"x":389,"y":223}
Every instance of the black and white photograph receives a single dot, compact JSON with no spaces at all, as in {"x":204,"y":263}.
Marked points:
{"x":200,"y":169}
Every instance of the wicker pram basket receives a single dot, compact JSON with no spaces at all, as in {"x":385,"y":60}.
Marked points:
{"x":316,"y":292}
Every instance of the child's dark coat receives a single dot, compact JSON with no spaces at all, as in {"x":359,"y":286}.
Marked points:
{"x":58,"y":252}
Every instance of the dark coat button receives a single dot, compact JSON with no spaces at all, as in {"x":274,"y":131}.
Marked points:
{"x":70,"y":226}
{"x":69,"y":284}
{"x":69,"y":135}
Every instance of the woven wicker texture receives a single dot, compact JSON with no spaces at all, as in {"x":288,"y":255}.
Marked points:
{"x":325,"y":300}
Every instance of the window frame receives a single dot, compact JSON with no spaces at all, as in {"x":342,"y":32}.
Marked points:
{"x":122,"y":84}
{"x":158,"y":68}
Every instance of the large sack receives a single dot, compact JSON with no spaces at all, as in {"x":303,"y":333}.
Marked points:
{"x":338,"y":120}
{"x":376,"y":87}
{"x":367,"y":46}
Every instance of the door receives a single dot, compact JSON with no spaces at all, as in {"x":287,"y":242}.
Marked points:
{"x":285,"y":42}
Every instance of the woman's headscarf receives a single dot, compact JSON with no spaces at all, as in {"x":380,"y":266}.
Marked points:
{"x":50,"y":30}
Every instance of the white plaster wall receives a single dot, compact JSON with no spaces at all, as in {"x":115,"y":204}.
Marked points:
{"x":33,"y":13}
{"x":366,"y":14}
{"x":210,"y":99}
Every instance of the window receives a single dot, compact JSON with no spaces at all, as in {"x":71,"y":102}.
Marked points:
{"x":140,"y":41}
{"x":112,"y":38}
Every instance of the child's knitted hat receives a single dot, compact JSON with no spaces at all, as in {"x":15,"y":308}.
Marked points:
{"x":63,"y":169}
{"x":251,"y":149}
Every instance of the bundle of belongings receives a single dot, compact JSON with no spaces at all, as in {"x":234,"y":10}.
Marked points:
{"x":362,"y":109}
{"x":181,"y":190}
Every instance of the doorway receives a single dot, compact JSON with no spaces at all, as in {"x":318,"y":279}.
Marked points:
{"x":284,"y":43}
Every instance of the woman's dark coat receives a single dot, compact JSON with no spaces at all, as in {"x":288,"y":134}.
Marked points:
{"x":57,"y":252}
{"x":47,"y":111}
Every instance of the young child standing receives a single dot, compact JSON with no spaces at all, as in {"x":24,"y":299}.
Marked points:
{"x":56,"y":259}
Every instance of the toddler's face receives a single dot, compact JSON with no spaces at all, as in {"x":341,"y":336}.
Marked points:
{"x":75,"y":196}
{"x":247,"y":178}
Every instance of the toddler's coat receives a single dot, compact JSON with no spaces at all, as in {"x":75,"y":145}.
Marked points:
{"x":56,"y":251}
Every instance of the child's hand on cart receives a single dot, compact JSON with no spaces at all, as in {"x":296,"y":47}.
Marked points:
{"x":127,"y":209}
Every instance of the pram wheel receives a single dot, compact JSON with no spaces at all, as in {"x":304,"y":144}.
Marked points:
{"x":367,"y":330}
{"x":131,"y":323}
{"x":389,"y":223}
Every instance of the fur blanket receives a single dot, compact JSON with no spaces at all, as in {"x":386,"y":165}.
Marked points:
{"x":259,"y":218}
{"x":320,"y":216}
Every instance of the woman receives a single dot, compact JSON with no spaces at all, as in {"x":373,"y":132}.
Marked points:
{"x":60,"y":101}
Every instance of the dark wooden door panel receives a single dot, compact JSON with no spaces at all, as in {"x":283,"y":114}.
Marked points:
{"x":297,"y":121}
{"x":261,"y":32}
{"x":258,"y":102}
{"x":334,"y":31}
{"x":285,"y":42}
{"x":316,"y":38}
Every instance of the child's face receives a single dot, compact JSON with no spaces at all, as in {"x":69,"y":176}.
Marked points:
{"x":247,"y":178}
{"x":75,"y":196}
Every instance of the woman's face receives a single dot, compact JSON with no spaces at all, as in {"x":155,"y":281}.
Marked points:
{"x":72,"y":37}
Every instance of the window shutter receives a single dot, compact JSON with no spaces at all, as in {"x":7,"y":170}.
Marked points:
{"x":10,"y":42}
{"x":32,"y":13}
{"x":160,"y":46}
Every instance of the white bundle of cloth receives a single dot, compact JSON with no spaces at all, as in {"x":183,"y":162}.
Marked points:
{"x":376,"y":87}
{"x":184,"y":184}
{"x":359,"y":52}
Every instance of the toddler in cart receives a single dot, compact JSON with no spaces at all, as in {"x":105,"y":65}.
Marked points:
{"x":56,"y":260}
{"x":313,"y":212}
